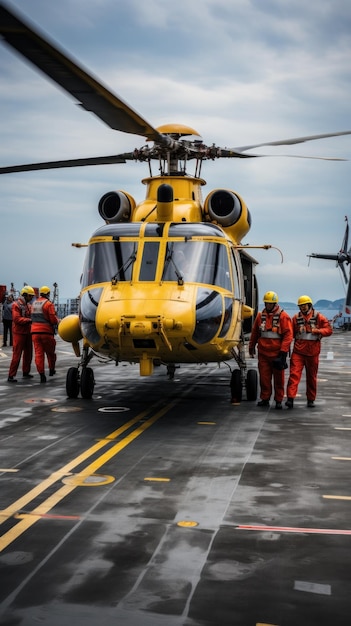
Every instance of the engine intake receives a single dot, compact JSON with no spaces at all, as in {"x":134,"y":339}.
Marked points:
{"x":223,"y":206}
{"x":116,"y":206}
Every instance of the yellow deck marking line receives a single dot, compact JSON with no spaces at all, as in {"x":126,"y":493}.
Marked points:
{"x":64,"y":471}
{"x":207,"y":423}
{"x":64,"y":491}
{"x":341,"y":428}
{"x":157,"y":480}
{"x":4,"y":469}
{"x":341,"y":458}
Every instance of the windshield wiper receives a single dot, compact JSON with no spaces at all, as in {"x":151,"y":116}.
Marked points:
{"x":179,"y":275}
{"x":131,"y":259}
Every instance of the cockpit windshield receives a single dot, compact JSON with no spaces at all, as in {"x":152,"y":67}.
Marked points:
{"x":203,"y":262}
{"x":108,"y":261}
{"x":197,"y":261}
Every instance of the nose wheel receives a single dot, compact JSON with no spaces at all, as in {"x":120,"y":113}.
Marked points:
{"x":83,"y":380}
{"x":72,"y":382}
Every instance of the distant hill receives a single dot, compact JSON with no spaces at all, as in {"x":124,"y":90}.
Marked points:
{"x":320,"y":304}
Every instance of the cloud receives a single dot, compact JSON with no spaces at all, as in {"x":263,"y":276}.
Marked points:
{"x":239,"y":73}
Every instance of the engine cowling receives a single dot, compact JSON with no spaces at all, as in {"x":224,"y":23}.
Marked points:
{"x":116,"y":206}
{"x":227,"y":208}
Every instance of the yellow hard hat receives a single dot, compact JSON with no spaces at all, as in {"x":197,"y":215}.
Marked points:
{"x":28,"y":290}
{"x":45,"y":290}
{"x":304,"y":300}
{"x":270,"y":296}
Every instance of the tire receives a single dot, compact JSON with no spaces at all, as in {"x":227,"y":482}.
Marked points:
{"x":236,"y":386}
{"x":87,"y":382}
{"x":251,"y":385}
{"x":72,"y":382}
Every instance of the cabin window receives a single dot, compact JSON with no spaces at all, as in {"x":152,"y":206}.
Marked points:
{"x":149,"y":260}
{"x":197,"y":261}
{"x":109,"y":260}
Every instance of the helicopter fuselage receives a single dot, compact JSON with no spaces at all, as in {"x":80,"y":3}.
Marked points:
{"x":157,"y":291}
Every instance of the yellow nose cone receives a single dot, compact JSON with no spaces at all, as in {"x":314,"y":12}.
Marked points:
{"x":69,"y":329}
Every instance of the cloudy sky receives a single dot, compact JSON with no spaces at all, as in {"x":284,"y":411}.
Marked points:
{"x":239,"y":72}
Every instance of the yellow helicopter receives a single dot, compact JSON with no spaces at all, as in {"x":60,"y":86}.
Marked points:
{"x":167,"y":280}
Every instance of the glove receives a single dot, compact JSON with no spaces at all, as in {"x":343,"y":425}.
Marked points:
{"x":279,"y":363}
{"x":252,"y":352}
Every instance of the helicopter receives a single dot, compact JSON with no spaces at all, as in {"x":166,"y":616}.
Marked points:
{"x":165,"y":281}
{"x":341,"y":257}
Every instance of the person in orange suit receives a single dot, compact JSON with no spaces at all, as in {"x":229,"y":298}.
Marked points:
{"x":272,"y":332}
{"x":44,"y":322}
{"x":21,"y":337}
{"x":309,"y":327}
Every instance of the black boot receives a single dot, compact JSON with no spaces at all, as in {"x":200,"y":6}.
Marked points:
{"x":290,"y":403}
{"x":42,"y":378}
{"x":263,"y":403}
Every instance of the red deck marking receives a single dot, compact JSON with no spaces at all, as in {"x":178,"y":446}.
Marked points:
{"x":293,"y":529}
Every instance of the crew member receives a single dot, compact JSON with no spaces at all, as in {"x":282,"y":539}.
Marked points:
{"x":22,"y":339}
{"x":44,"y":323}
{"x":7,"y":319}
{"x":272,"y":332}
{"x":309,"y":327}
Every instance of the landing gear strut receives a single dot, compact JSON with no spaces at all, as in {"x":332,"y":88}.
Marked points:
{"x":243,"y":377}
{"x":171,"y":370}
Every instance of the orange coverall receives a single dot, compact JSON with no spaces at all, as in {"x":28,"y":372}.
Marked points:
{"x":44,"y":320}
{"x":272,"y":332}
{"x":307,"y":347}
{"x":22,"y":340}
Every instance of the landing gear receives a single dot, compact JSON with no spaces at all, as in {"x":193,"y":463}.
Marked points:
{"x":87,"y":382}
{"x":242,"y":377}
{"x":236,"y":386}
{"x":171,"y":371}
{"x":81,"y":381}
{"x":72,"y":382}
{"x":251,"y":385}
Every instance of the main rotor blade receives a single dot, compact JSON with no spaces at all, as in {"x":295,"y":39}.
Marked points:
{"x":348,"y":294}
{"x":290,"y":142}
{"x":91,"y":94}
{"x":342,"y":267}
{"x":329,"y":257}
{"x":235,"y":153}
{"x":346,"y":237}
{"x":50,"y":165}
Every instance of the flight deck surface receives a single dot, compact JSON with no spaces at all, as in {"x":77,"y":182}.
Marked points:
{"x":158,"y":502}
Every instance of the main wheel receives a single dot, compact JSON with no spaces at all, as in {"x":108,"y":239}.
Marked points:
{"x":72,"y":382}
{"x":87,"y":382}
{"x":251,"y":385}
{"x":236,"y":386}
